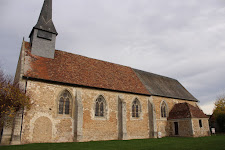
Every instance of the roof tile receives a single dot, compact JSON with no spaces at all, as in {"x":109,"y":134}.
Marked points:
{"x":80,"y":70}
{"x":185,"y":110}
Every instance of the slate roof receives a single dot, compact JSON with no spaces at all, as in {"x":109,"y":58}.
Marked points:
{"x":185,"y":110}
{"x":79,"y":70}
{"x":163,"y":86}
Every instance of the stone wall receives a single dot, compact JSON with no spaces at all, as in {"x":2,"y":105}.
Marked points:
{"x":184,"y":127}
{"x":200,"y":131}
{"x":43,"y":123}
{"x":99,"y":128}
{"x":7,"y":131}
{"x":106,"y":128}
{"x":162,"y":125}
{"x":137,"y":128}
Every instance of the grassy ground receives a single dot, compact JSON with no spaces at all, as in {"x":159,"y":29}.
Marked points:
{"x":203,"y":143}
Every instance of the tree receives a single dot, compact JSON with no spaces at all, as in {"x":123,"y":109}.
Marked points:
{"x":12,"y":97}
{"x":219,"y":113}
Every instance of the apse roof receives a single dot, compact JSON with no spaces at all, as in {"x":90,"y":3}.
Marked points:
{"x":185,"y":110}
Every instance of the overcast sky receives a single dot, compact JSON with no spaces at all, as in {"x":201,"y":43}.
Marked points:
{"x":182,"y":39}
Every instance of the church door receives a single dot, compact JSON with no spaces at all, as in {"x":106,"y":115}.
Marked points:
{"x":176,"y":128}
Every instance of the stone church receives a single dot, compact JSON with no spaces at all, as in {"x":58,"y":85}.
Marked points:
{"x":76,"y":98}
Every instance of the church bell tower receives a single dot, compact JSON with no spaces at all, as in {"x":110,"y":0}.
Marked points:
{"x":43,"y":34}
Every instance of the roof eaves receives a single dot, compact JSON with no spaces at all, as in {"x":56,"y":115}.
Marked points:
{"x":72,"y":84}
{"x":175,"y":98}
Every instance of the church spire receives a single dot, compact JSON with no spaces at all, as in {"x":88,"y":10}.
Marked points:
{"x":43,"y":34}
{"x":45,"y":19}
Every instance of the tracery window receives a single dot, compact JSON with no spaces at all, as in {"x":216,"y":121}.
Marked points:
{"x":65,"y":103}
{"x":163,"y":110}
{"x":136,"y":108}
{"x":100,"y":105}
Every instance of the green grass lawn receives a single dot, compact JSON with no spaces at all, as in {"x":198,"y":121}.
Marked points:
{"x":174,"y":143}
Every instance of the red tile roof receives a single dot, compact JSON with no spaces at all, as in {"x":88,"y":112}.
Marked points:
{"x":84,"y":71}
{"x":185,"y":110}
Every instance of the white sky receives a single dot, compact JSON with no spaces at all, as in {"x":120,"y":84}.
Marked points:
{"x":184,"y":40}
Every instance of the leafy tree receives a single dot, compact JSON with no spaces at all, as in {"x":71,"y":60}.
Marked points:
{"x":219,"y":113}
{"x":12,"y":97}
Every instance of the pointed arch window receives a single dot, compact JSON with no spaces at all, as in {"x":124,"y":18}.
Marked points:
{"x":136,"y":108}
{"x":163,"y":110}
{"x":100,"y":105}
{"x":65,"y":103}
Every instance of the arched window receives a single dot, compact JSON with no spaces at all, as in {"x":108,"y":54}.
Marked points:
{"x":163,"y":110}
{"x":136,"y":108}
{"x":64,"y":103}
{"x":100,"y":107}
